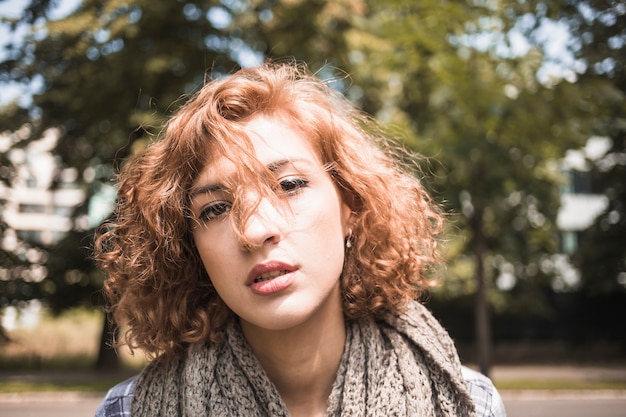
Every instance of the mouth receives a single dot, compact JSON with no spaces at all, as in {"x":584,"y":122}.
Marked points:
{"x":268,"y":271}
{"x":269,"y":275}
{"x":271,"y":278}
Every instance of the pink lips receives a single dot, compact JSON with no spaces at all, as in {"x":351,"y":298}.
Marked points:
{"x":270,"y":277}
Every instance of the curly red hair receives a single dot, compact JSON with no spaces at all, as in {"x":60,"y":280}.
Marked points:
{"x":157,"y":286}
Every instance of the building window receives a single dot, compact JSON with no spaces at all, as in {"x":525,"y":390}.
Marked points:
{"x":29,"y":235}
{"x":32,"y":208}
{"x":580,"y":182}
{"x":63,"y":211}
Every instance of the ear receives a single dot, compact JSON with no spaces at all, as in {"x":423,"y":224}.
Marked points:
{"x":347,"y":199}
{"x":346,"y":218}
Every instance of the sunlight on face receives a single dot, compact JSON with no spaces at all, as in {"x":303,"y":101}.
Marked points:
{"x":289,"y":270}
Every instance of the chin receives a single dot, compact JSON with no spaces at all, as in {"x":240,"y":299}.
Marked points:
{"x":280,"y":322}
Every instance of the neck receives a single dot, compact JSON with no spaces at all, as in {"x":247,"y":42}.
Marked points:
{"x":302,"y":362}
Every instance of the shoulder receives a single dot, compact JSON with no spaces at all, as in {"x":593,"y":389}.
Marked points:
{"x":116,"y":403}
{"x":485,"y":395}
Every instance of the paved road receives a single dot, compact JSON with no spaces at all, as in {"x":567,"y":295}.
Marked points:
{"x":48,"y":405}
{"x":518,"y":404}
{"x":566,"y":404}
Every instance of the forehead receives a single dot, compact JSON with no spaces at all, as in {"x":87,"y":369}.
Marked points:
{"x":272,"y":137}
{"x":270,"y":140}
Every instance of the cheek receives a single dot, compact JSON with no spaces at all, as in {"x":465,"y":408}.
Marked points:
{"x":324,"y":218}
{"x":210,"y":254}
{"x":219,"y":271}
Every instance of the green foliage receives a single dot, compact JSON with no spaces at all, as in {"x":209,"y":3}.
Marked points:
{"x":600,"y":26}
{"x":492,"y":132}
{"x":113,"y":70}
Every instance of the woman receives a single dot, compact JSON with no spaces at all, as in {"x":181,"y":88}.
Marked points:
{"x":267,"y":251}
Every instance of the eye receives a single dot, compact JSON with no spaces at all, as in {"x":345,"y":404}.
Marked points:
{"x":292,"y":185}
{"x":215,"y":211}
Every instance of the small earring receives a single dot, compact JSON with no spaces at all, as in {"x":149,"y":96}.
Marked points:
{"x":349,"y":239}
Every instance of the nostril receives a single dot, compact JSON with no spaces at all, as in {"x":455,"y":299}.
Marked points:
{"x":251,"y":243}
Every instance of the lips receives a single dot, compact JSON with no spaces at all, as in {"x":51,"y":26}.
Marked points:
{"x":270,"y":277}
{"x":268,"y":270}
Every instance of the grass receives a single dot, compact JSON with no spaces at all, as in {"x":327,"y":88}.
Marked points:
{"x":57,"y":353}
{"x":66,"y":342}
{"x":96,"y":386}
{"x":558,"y":385}
{"x":53,"y":341}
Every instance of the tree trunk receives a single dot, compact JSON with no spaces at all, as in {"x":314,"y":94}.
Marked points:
{"x":107,"y":360}
{"x":482,"y":319}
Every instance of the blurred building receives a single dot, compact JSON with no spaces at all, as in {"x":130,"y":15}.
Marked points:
{"x":39,"y":200}
{"x":581,"y":203}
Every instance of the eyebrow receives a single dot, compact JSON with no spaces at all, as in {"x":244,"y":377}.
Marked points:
{"x":276,"y":166}
{"x":273,"y":167}
{"x":205,"y":189}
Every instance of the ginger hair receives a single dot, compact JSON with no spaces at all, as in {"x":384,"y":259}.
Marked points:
{"x":156,"y":285}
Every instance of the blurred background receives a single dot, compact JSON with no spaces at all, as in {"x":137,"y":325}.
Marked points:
{"x":518,"y":108}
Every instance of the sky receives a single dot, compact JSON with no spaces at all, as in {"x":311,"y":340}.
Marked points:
{"x":12,"y":9}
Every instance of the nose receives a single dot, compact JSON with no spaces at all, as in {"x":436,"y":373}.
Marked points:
{"x":266,"y":225}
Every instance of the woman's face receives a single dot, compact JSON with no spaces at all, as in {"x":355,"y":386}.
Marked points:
{"x":289,"y":271}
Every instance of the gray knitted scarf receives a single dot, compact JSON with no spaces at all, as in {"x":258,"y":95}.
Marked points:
{"x":400,"y":366}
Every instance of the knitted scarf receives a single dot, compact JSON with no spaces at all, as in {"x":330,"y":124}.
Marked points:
{"x":399,"y":366}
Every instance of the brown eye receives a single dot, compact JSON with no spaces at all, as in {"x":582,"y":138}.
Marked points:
{"x":214,"y":211}
{"x":292,"y":185}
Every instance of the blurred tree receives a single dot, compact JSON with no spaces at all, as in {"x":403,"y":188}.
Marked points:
{"x":111,"y":71}
{"x":599,"y":30}
{"x":601,"y":255}
{"x":20,"y":261}
{"x":447,"y":72}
